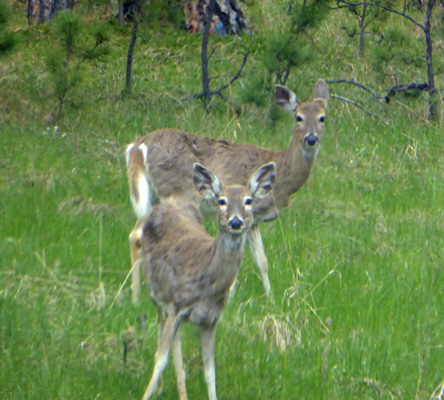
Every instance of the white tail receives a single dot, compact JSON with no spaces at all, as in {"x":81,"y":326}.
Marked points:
{"x":140,"y":189}
{"x":189,"y":272}
{"x":136,"y":161}
{"x":170,"y":155}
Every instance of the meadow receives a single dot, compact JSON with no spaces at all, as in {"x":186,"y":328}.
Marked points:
{"x":356,"y":260}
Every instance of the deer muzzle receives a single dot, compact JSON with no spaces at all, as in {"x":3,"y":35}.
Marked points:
{"x":235,"y":223}
{"x":311,"y":139}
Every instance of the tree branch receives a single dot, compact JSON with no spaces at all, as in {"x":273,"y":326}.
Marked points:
{"x":222,"y":88}
{"x":406,"y":87}
{"x":353,"y":83}
{"x":381,"y":35}
{"x":359,"y":106}
{"x":402,"y":14}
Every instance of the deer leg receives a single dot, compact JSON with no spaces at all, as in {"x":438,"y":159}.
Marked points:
{"x":260,"y":258}
{"x":169,"y":330}
{"x":161,"y":318}
{"x":135,"y":248}
{"x":207,"y":338}
{"x":178,"y":364}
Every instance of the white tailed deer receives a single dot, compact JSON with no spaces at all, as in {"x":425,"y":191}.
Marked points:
{"x":189,"y":272}
{"x":159,"y":166}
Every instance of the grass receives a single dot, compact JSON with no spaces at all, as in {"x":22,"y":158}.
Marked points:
{"x":355,"y":262}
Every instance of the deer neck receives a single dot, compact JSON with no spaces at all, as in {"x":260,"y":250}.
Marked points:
{"x":294,"y":166}
{"x":228,"y":252}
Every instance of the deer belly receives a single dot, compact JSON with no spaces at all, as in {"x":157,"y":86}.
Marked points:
{"x":205,"y":314}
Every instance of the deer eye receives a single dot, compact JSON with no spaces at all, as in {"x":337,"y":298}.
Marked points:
{"x":248,"y":201}
{"x":299,"y":118}
{"x":322,"y":118}
{"x":222,"y":202}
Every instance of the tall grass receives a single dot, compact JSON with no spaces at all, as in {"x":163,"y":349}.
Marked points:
{"x":355,"y":261}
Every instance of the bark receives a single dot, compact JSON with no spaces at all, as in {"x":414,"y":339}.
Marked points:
{"x":227,"y":19}
{"x":207,"y":24}
{"x":362,"y":26}
{"x":433,"y":109}
{"x":129,"y":62}
{"x":54,"y":7}
{"x":41,"y":12}
{"x":30,"y":10}
{"x":121,"y":17}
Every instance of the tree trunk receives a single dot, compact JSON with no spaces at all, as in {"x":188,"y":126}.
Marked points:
{"x":41,"y":12}
{"x":121,"y":20}
{"x":362,"y":26}
{"x":29,"y":12}
{"x":129,"y":62}
{"x":433,"y":109}
{"x":54,"y":8}
{"x":207,"y":24}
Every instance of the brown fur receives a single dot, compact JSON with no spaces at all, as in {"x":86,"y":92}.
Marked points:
{"x":189,"y":272}
{"x":171,"y":154}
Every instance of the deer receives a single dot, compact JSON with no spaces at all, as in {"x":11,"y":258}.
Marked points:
{"x":190,"y":273}
{"x":159,"y":166}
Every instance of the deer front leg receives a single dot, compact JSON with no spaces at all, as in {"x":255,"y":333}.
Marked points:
{"x":169,"y":331}
{"x":207,"y":338}
{"x":260,"y":258}
{"x":178,"y":364}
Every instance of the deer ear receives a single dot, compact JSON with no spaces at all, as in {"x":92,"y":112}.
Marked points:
{"x":206,"y":182}
{"x":321,"y":91}
{"x":285,"y":98}
{"x":262,"y":181}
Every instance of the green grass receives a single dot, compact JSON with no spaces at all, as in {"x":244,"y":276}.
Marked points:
{"x":356,"y":261}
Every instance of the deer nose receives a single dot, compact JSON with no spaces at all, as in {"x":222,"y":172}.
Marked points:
{"x":235,"y":223}
{"x":311,"y":139}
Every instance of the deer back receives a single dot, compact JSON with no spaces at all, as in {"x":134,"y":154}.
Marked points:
{"x":171,"y":153}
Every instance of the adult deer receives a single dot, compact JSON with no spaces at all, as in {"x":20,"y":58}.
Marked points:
{"x":189,"y":272}
{"x":159,"y":166}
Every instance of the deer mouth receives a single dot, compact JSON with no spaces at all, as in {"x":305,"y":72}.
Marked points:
{"x":311,"y":139}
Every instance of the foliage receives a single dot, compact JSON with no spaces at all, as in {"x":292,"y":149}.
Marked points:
{"x":161,"y":13}
{"x":288,"y":45}
{"x":8,"y":39}
{"x":366,"y":15}
{"x":283,"y":53}
{"x":67,"y":73}
{"x":309,"y":15}
{"x":256,"y":90}
{"x":67,"y":28}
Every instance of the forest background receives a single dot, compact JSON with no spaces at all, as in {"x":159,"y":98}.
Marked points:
{"x":356,"y":261}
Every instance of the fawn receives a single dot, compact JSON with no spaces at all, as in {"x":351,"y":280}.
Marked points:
{"x":190,"y":273}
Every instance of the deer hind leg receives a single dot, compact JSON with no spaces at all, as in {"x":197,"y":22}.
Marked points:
{"x":161,"y":318}
{"x":135,"y":248}
{"x":207,"y":338}
{"x":260,"y":258}
{"x":170,"y":327}
{"x":140,"y":194}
